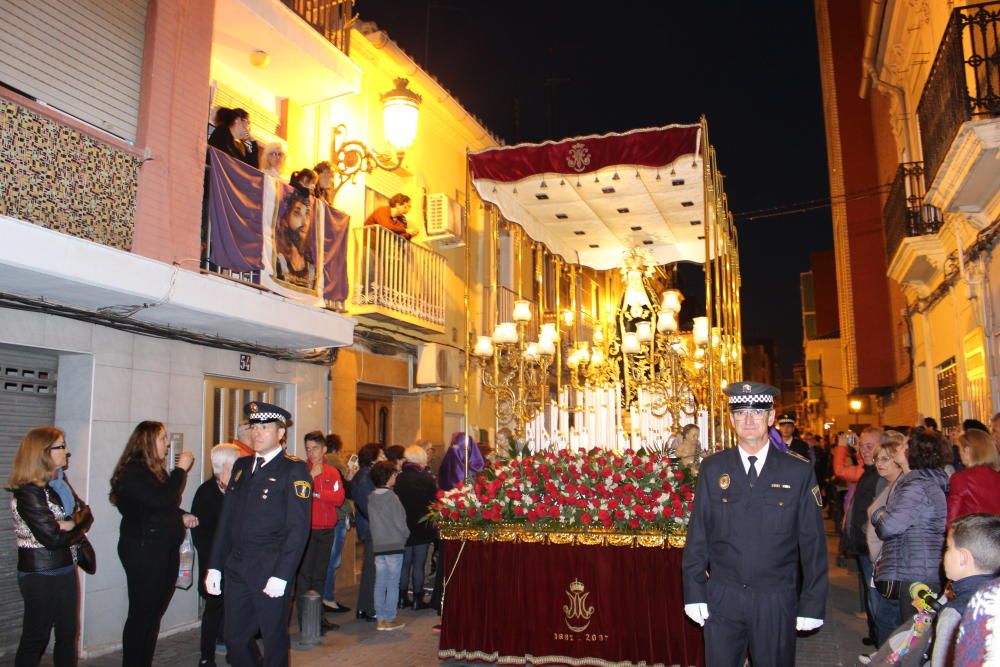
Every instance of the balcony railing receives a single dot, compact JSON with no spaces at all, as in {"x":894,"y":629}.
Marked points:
{"x":905,"y":213}
{"x":964,"y":82}
{"x":330,"y":18}
{"x":396,"y":278}
{"x":59,"y":175}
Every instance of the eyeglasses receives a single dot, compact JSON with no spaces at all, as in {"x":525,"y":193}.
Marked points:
{"x":55,"y":447}
{"x":756,"y":413}
{"x":883,"y":459}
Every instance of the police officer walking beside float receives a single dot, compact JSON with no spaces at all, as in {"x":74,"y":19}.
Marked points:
{"x":261,"y":535}
{"x":757,"y":516}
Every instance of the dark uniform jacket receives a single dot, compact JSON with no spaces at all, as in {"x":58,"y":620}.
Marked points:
{"x":265,"y":518}
{"x":753,"y":539}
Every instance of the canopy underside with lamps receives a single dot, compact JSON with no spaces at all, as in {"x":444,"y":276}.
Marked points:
{"x":590,"y":199}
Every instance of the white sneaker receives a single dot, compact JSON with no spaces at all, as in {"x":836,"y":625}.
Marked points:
{"x":865,"y":658}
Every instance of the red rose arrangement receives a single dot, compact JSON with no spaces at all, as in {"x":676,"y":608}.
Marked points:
{"x":575,"y":491}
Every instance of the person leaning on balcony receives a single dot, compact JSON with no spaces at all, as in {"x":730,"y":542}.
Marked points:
{"x":49,"y":523}
{"x":152,"y":529}
{"x":232,"y":136}
{"x":393,"y":217}
{"x":757,"y":522}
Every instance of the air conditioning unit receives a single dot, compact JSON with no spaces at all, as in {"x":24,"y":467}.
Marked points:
{"x":439,"y":367}
{"x":445,"y":219}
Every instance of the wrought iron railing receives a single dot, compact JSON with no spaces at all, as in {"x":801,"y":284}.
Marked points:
{"x":330,"y":18}
{"x":905,"y":213}
{"x":964,"y":82}
{"x":393,"y":273}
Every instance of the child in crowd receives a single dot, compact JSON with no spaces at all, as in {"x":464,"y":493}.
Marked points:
{"x":389,"y":533}
{"x":971,"y":559}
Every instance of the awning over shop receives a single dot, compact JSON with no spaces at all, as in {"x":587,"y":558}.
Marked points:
{"x":589,"y":199}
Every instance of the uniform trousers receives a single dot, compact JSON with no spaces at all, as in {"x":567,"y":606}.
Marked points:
{"x":150,"y":572}
{"x":49,"y":601}
{"x":248,"y":610}
{"x":743,"y":620}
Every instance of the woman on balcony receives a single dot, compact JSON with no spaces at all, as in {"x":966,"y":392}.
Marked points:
{"x":273,"y":161}
{"x":232,"y":136}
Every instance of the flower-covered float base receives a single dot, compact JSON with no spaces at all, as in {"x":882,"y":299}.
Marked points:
{"x":587,"y":498}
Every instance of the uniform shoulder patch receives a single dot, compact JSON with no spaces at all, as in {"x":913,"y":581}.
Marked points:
{"x":817,"y":496}
{"x":303,"y":489}
{"x":797,"y":455}
{"x":292,"y":457}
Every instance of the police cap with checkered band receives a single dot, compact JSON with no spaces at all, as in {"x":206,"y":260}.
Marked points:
{"x":746,"y":395}
{"x":258,"y":412}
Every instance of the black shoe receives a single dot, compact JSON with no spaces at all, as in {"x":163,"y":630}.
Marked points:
{"x":365,"y":615}
{"x":404,"y":601}
{"x":420,"y":605}
{"x":326,"y":625}
{"x":338,"y":609}
{"x":868,"y":641}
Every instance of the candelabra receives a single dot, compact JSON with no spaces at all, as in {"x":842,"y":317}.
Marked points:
{"x":514,"y":371}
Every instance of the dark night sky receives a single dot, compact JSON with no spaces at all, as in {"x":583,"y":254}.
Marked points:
{"x":550,"y":69}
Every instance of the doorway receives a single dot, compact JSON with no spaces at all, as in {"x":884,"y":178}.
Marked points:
{"x":374,"y":421}
{"x":224,"y":401}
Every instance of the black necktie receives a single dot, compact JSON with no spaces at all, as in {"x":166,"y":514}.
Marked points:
{"x":260,"y":464}
{"x":752,"y":472}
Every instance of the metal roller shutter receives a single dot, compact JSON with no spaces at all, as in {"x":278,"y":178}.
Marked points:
{"x":27,"y":399}
{"x":82,"y":58}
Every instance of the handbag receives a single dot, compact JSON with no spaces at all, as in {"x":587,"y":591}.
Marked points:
{"x":85,"y":556}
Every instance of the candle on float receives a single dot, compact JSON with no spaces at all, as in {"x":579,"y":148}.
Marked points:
{"x":484,"y":347}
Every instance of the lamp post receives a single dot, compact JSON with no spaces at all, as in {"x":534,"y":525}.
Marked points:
{"x":400,"y":111}
{"x":856,"y":405}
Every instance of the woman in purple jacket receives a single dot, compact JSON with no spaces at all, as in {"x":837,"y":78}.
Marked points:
{"x":912,"y":527}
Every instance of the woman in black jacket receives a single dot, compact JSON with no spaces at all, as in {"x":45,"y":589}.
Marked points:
{"x":417,"y":489}
{"x":49,"y":522}
{"x":152,"y":530}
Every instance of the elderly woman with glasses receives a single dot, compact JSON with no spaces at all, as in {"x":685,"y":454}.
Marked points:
{"x":49,"y":521}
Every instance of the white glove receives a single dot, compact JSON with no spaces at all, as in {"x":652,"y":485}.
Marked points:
{"x":698,"y":612}
{"x":805,"y":624}
{"x":213,"y":582}
{"x":275,"y":588}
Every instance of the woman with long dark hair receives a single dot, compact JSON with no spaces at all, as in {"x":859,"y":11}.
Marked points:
{"x":49,"y":523}
{"x":152,"y":530}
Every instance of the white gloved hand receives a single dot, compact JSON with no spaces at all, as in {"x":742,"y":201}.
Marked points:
{"x":805,"y":624}
{"x":213,"y":582}
{"x":275,"y":587}
{"x":697,"y":612}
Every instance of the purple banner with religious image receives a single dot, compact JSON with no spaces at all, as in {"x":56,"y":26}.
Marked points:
{"x":258,"y":223}
{"x":235,"y":213}
{"x":294,"y":246}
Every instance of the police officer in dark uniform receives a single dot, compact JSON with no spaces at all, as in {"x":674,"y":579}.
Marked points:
{"x":786,"y":424}
{"x":261,"y":535}
{"x":757,"y":512}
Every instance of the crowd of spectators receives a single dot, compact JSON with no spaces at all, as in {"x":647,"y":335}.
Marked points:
{"x":918,"y":510}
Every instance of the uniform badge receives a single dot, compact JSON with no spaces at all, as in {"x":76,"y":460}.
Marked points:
{"x":302,"y":488}
{"x":747,"y":389}
{"x":253,"y":408}
{"x":239,"y":473}
{"x":724,"y":481}
{"x":817,"y":496}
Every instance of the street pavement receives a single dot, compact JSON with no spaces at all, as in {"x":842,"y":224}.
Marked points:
{"x":358,"y":644}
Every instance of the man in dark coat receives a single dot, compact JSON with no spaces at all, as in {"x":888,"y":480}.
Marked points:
{"x":260,"y":539}
{"x":756,"y":519}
